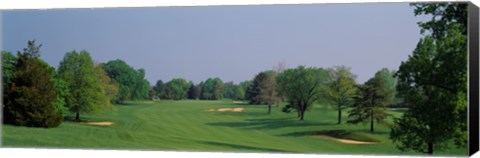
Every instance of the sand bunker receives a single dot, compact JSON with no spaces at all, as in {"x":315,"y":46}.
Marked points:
{"x":346,"y":141}
{"x":97,"y":123}
{"x":227,"y":109}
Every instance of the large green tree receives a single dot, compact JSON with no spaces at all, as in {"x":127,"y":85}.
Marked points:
{"x":30,"y":96}
{"x":132,"y":83}
{"x":176,"y":89}
{"x":301,"y":87}
{"x":212,"y":89}
{"x":341,"y":88}
{"x":108,"y":85}
{"x":433,"y":81}
{"x":86,"y":91}
{"x":369,"y":102}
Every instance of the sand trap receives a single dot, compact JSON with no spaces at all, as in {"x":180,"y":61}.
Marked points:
{"x":97,"y":123}
{"x":227,"y":109}
{"x":346,"y":141}
{"x":239,"y":102}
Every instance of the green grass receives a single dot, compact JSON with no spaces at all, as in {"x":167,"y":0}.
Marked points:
{"x":187,"y":126}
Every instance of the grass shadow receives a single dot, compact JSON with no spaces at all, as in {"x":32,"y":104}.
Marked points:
{"x":340,"y":134}
{"x":269,"y":123}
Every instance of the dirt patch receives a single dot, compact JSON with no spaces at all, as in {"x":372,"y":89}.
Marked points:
{"x":227,"y":109}
{"x":346,"y":141}
{"x":97,"y":123}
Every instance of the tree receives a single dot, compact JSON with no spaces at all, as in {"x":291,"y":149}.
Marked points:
{"x":63,"y":92}
{"x":176,"y":89}
{"x":262,"y":90}
{"x":159,"y":88}
{"x":433,"y":81}
{"x":341,"y":88}
{"x":132,"y":83}
{"x":30,"y":96}
{"x":387,"y":77}
{"x":301,"y":87}
{"x":8,"y":67}
{"x":108,"y":85}
{"x":241,"y":90}
{"x":229,"y":90}
{"x":370,"y":102}
{"x":86,"y":91}
{"x":153,"y":94}
{"x":212,"y":89}
{"x":193,"y":91}
{"x":141,"y":87}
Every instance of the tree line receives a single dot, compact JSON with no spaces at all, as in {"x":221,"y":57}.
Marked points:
{"x":38,"y":95}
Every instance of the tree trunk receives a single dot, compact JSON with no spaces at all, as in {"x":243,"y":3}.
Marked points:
{"x":77,"y":117}
{"x":302,"y":113}
{"x":371,"y":122}
{"x":339,"y":115}
{"x":269,"y":108}
{"x":430,"y":149}
{"x":299,"y":112}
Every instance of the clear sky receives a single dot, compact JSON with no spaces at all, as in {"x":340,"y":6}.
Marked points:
{"x":230,"y":42}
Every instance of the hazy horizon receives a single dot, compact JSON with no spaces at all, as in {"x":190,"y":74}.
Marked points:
{"x":230,"y":42}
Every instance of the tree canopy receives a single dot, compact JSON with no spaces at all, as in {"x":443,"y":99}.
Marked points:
{"x":301,"y":87}
{"x":341,"y":88}
{"x":176,"y":89}
{"x":86,"y":91}
{"x":212,"y":89}
{"x":434,"y":82}
{"x":30,"y":96}
{"x":132,"y":83}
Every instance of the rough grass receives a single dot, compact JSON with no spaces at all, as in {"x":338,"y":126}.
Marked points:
{"x":186,"y":126}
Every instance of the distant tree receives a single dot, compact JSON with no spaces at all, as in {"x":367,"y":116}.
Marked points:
{"x":176,"y":89}
{"x":229,"y":90}
{"x":241,"y":90}
{"x":301,"y":86}
{"x":212,"y":89}
{"x":8,"y":67}
{"x":159,"y":88}
{"x":86,"y":92}
{"x":193,"y":91}
{"x":262,"y":90}
{"x":131,"y":83}
{"x":388,"y":79}
{"x":369,"y":105}
{"x":433,"y":82}
{"x":341,"y":88}
{"x":30,"y":96}
{"x":152,"y":94}
{"x":141,"y":87}
{"x":108,"y":85}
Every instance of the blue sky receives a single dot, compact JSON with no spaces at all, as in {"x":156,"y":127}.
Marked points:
{"x":230,"y":42}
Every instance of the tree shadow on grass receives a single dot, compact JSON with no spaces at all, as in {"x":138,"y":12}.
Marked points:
{"x":269,"y":123}
{"x":341,"y":134}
